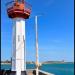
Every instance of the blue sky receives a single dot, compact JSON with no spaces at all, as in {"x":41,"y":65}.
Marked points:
{"x":55,"y":30}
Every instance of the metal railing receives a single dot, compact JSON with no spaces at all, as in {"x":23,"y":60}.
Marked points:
{"x":11,"y":4}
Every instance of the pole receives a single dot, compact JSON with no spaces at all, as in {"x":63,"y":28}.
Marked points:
{"x":37,"y":62}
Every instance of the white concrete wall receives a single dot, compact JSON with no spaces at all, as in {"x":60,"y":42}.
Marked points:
{"x":18,"y":46}
{"x":13,"y":47}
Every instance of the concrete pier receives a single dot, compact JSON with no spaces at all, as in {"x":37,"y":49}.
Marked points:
{"x":33,"y":72}
{"x":27,"y":72}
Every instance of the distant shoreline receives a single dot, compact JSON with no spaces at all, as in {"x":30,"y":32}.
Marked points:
{"x":5,"y":63}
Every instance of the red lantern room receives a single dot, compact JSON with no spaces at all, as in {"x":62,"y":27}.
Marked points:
{"x":18,"y":9}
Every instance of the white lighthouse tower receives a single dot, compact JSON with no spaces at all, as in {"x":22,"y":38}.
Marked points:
{"x":18,"y":46}
{"x":18,"y":10}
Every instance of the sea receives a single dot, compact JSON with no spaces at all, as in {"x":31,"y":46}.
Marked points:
{"x":57,"y":69}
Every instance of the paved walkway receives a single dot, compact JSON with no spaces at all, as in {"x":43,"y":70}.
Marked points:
{"x":30,"y":72}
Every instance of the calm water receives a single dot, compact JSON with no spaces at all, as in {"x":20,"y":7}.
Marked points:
{"x":57,"y":69}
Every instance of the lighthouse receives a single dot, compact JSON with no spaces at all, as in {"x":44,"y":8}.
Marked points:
{"x":18,"y":10}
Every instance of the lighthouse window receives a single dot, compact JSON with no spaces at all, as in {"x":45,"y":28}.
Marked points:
{"x":23,"y":37}
{"x":19,"y":0}
{"x":18,"y":38}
